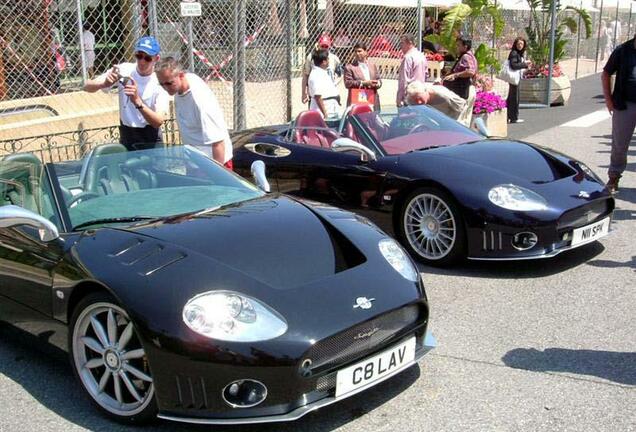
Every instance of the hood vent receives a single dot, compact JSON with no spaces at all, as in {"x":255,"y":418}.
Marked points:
{"x":147,"y":257}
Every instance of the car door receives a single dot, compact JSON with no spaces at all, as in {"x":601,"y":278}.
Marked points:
{"x":323,"y":174}
{"x":26,"y":263}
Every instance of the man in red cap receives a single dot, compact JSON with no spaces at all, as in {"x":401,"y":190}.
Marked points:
{"x":334,"y":69}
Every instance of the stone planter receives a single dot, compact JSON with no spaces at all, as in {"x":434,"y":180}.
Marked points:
{"x":496,"y":122}
{"x":532,"y":90}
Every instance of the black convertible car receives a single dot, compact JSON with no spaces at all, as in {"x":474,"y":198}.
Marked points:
{"x":182,"y":291}
{"x":444,"y":190}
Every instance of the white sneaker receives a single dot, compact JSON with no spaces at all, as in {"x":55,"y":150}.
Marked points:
{"x":519,"y":121}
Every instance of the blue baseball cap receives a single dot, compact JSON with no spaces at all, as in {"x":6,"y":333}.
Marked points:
{"x":149,"y":45}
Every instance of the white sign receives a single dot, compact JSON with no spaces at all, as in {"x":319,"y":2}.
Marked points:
{"x":189,"y":9}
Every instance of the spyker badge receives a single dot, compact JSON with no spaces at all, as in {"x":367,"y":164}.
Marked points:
{"x":363,"y":303}
{"x":584,"y":194}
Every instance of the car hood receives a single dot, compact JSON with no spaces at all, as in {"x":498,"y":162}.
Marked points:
{"x":513,"y":159}
{"x":275,"y":240}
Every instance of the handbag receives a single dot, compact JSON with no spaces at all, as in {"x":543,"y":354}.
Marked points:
{"x":366,"y":96}
{"x":509,"y":75}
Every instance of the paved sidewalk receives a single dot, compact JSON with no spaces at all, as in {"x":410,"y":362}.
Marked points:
{"x":587,"y":97}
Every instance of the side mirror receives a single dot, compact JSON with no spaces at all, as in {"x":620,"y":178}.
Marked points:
{"x":258,"y":172}
{"x":347,"y":144}
{"x":13,"y":216}
{"x":481,"y":126}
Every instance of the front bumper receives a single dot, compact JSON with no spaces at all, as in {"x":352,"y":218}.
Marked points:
{"x":492,"y":241}
{"x":426,"y":345}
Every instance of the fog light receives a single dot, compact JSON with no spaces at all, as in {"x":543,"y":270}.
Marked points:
{"x":524,"y":241}
{"x":244,"y":393}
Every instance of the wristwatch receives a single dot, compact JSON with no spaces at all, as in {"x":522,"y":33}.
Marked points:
{"x":140,"y":106}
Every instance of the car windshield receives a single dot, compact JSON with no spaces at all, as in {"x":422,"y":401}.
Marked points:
{"x":414,"y":128}
{"x":111,"y":185}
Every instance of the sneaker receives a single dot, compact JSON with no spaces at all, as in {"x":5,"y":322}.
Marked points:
{"x":612,"y":185}
{"x":519,"y":121}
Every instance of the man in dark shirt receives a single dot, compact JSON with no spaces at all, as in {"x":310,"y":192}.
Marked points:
{"x":622,"y":105}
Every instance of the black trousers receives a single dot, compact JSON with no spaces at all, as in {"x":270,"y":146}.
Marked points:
{"x":139,"y":138}
{"x":513,"y":103}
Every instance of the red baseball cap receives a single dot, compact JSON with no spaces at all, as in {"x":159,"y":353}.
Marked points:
{"x":324,"y":41}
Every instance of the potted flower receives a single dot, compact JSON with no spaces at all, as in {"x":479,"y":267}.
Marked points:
{"x":492,"y":109}
{"x":534,"y":85}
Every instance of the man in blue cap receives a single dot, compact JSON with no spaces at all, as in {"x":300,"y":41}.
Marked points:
{"x":143,"y":103}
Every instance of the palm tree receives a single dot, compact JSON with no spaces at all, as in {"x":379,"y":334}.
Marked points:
{"x":538,"y":30}
{"x":464,"y":14}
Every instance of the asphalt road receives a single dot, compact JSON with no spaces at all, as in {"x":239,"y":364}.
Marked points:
{"x":528,"y":346}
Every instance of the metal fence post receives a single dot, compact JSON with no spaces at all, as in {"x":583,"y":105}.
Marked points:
{"x":552,"y":37}
{"x":615,"y":26}
{"x":80,"y":32}
{"x":190,"y":44}
{"x":288,"y":55}
{"x":419,"y":25}
{"x":629,"y":21}
{"x":154,"y":22}
{"x":578,"y":43}
{"x":239,"y":65}
{"x":598,"y":37}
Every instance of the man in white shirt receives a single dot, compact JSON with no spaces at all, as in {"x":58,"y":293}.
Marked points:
{"x":324,"y":94}
{"x":88,"y":39}
{"x":199,"y":115}
{"x":334,"y":68}
{"x":143,"y":104}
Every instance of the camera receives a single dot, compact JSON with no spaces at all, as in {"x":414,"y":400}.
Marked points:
{"x":124,"y":80}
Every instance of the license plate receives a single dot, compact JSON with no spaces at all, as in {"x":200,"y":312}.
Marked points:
{"x":374,"y":368}
{"x":590,"y":232}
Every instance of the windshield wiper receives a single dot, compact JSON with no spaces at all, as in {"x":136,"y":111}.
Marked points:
{"x":114,"y":220}
{"x":424,"y":148}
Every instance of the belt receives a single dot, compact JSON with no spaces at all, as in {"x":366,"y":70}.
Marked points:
{"x":336,"y":98}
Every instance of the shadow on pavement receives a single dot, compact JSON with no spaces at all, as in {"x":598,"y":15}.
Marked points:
{"x":618,"y":367}
{"x":614,"y":264}
{"x":521,"y":269}
{"x":621,"y":215}
{"x":44,"y":372}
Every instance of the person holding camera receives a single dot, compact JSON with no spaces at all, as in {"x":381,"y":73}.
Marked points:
{"x":143,"y":103}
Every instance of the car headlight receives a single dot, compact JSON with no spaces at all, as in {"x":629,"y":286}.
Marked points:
{"x":230,"y":316}
{"x":398,"y":259}
{"x":514,"y":197}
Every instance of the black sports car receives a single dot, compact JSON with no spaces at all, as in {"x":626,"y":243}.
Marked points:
{"x":444,"y":190}
{"x":183,"y":291}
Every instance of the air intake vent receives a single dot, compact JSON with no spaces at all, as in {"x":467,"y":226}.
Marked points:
{"x":491,"y":240}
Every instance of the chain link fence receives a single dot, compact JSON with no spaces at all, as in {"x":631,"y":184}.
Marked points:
{"x":251,"y":52}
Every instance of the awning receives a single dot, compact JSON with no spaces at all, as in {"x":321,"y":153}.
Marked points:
{"x":397,"y":3}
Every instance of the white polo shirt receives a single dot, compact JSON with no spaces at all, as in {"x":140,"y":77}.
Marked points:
{"x":148,"y":88}
{"x":200,"y":118}
{"x":321,"y":84}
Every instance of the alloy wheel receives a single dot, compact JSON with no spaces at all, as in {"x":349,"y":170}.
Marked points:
{"x":110,"y":360}
{"x":430,"y":226}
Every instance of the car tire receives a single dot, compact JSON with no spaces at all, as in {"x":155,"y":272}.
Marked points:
{"x":431,"y":227}
{"x":109,"y":361}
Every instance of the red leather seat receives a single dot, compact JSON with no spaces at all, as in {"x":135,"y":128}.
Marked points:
{"x":355,"y":110}
{"x":311,"y":129}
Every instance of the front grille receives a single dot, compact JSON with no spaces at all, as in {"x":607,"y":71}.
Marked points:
{"x":583,"y":215}
{"x":361,"y":339}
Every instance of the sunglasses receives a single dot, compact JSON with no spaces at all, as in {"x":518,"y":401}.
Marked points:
{"x":165,"y":83}
{"x":146,"y":57}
